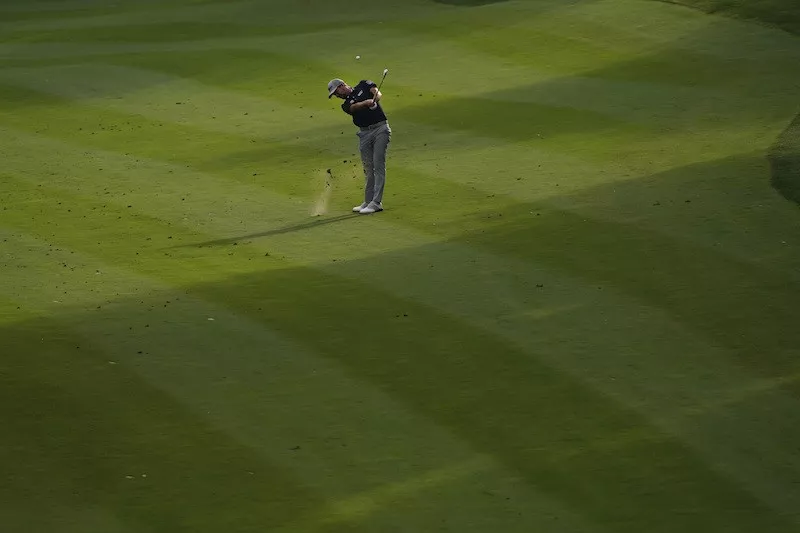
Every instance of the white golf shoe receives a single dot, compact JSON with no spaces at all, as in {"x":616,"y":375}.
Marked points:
{"x":372,"y":207}
{"x":358,"y":208}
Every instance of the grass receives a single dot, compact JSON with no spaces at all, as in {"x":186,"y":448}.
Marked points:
{"x":576,"y":314}
{"x":774,"y":12}
{"x":785,"y":160}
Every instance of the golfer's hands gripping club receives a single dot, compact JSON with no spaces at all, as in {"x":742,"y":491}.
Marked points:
{"x":375,"y":97}
{"x":375,"y":100}
{"x":370,"y":103}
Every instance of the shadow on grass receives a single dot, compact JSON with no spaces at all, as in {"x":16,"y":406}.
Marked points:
{"x":636,"y":98}
{"x":784,"y":157}
{"x":747,"y":306}
{"x":784,"y":14}
{"x":88,"y":445}
{"x":13,"y":97}
{"x":572,"y":443}
{"x":315,"y":223}
{"x":469,"y":2}
{"x":515,"y":121}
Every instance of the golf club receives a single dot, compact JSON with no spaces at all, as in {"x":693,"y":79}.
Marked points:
{"x":385,"y":72}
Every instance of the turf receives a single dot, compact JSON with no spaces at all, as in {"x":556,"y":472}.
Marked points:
{"x":785,"y":160}
{"x":577,"y":313}
{"x":780,"y":13}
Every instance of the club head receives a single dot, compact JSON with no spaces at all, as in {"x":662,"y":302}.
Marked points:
{"x":385,"y":72}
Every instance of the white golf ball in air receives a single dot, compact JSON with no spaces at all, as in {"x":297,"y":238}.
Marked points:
{"x":358,"y":57}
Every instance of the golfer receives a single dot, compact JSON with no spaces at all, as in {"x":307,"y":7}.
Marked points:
{"x":362,"y":103}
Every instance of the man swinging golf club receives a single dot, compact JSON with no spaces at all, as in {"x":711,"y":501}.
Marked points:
{"x":374,"y":134}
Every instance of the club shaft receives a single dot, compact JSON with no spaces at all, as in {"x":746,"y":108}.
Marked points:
{"x":382,"y":78}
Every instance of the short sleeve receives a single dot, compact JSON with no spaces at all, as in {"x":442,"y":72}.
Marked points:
{"x":346,"y":105}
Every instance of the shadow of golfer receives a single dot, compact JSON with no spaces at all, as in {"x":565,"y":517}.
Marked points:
{"x":277,"y":231}
{"x":469,"y":2}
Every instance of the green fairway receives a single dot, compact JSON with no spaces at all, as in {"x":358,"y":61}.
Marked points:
{"x":580,"y":311}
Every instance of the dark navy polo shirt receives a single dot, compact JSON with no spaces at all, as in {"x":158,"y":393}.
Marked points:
{"x":363,"y":117}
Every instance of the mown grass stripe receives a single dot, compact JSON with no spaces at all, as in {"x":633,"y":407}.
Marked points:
{"x":687,"y":397}
{"x":289,"y":407}
{"x":484,"y":316}
{"x":461,"y":388}
{"x":91,"y":446}
{"x":784,"y":158}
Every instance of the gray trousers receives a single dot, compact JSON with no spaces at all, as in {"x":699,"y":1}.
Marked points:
{"x":373,"y":142}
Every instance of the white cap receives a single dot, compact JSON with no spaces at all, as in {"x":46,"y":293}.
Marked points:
{"x":334,"y":84}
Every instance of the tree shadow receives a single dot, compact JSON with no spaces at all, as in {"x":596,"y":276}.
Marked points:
{"x":778,"y":13}
{"x":560,"y":434}
{"x":87,"y":441}
{"x":704,"y":77}
{"x":625,"y":235}
{"x":784,"y":158}
{"x":514,"y":121}
{"x":570,"y":442}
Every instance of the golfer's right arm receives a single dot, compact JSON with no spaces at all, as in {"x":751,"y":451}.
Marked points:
{"x":361,"y":105}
